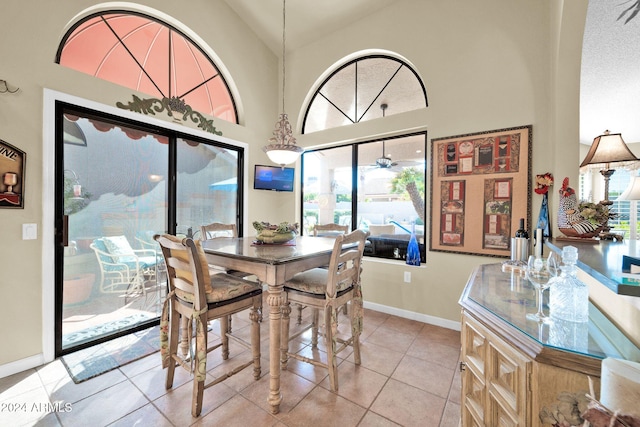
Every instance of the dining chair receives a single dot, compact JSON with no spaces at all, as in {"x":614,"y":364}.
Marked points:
{"x":325,"y":230}
{"x":328,"y":289}
{"x":216,"y":230}
{"x":199,"y":297}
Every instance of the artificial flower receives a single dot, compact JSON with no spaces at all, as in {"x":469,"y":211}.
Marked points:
{"x":543,"y":182}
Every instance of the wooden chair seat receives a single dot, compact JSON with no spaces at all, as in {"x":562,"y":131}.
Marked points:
{"x":195,"y":298}
{"x":313,"y":282}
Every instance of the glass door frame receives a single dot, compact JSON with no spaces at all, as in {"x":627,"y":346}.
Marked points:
{"x":60,"y":224}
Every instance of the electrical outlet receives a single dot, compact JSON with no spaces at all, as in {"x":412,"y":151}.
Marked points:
{"x":407,"y":277}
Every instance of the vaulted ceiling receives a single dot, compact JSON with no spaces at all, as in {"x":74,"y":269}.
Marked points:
{"x":610,"y":78}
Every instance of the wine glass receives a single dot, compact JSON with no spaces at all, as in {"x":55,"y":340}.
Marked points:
{"x":540,"y":272}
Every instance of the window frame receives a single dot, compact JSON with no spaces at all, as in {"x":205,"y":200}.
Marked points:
{"x":355,"y":179}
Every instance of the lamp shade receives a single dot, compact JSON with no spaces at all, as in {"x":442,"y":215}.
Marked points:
{"x":606,"y":149}
{"x":632,"y":192}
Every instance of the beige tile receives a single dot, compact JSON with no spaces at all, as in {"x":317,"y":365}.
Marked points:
{"x":152,"y":382}
{"x":323,"y":408}
{"x":236,"y":412}
{"x":371,"y":419}
{"x":408,"y":406}
{"x":148,"y":415}
{"x":106,"y":406}
{"x":68,"y":391}
{"x":390,"y":338}
{"x":293,"y":388}
{"x":408,"y":326}
{"x":176,"y":404}
{"x":455,"y":394}
{"x":377,"y":358}
{"x":374,"y":318}
{"x":52,"y":372}
{"x":19,"y":384}
{"x":441,"y":354}
{"x":357,"y":384}
{"x":27,"y":407}
{"x":421,"y":381}
{"x":451,"y":416}
{"x":441,"y":335}
{"x":424,"y":375}
{"x":141,"y":365}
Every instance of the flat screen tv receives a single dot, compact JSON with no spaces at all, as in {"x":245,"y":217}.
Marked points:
{"x":273,"y":178}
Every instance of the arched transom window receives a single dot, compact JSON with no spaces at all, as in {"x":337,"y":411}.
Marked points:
{"x":353,"y":93}
{"x":149,"y":56}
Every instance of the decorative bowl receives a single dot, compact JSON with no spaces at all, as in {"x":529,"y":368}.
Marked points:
{"x":275,"y":233}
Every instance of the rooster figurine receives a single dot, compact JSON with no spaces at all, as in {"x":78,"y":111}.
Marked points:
{"x":570,"y":222}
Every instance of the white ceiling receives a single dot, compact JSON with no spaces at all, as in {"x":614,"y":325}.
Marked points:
{"x":306,"y":20}
{"x":610,"y":80}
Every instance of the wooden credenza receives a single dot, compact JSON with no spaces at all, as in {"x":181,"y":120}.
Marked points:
{"x":514,"y":368}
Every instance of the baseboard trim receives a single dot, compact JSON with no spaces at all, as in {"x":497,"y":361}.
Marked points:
{"x":21,"y":365}
{"x":424,"y":318}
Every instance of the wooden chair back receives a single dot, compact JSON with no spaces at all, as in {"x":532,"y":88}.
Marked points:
{"x":346,"y":259}
{"x":331,"y":228}
{"x":218,"y":229}
{"x":185,"y":269}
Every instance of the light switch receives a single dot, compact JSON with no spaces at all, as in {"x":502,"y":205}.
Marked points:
{"x":29,"y":231}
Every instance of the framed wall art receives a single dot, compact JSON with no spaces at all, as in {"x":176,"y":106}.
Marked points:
{"x":480,"y":188}
{"x":12,"y":163}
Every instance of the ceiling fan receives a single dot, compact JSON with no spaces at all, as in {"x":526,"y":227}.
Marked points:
{"x":384,"y":162}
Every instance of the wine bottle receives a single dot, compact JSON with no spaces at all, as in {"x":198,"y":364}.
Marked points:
{"x":522,"y":232}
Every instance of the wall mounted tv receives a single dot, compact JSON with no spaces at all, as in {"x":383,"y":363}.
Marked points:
{"x":273,"y":178}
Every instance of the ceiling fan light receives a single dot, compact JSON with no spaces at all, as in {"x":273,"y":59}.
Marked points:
{"x":383,"y":162}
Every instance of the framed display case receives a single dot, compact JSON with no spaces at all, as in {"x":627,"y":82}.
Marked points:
{"x":480,"y":187}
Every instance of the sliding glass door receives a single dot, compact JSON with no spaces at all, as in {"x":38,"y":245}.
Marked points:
{"x":118,"y":184}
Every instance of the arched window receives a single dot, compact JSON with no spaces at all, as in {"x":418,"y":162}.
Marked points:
{"x":149,"y":56}
{"x":376,"y":185}
{"x":354,"y":91}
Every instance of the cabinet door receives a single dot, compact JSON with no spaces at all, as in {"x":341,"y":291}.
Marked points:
{"x":506,"y":378}
{"x":473,"y":377}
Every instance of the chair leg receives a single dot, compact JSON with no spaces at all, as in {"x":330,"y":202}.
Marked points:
{"x":330,"y":330}
{"x":284,"y":335}
{"x":356,"y":326}
{"x":314,"y":327}
{"x":184,"y":336}
{"x":230,"y":320}
{"x":300,"y":307}
{"x":224,"y":330}
{"x":174,"y":333}
{"x":256,"y":316}
{"x":200,"y":364}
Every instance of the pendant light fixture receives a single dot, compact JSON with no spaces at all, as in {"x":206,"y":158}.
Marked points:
{"x":282,"y":149}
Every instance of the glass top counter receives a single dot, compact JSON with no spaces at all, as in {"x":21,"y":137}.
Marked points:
{"x":509,"y":296}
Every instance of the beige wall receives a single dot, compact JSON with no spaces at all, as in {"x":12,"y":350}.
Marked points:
{"x":486,"y":65}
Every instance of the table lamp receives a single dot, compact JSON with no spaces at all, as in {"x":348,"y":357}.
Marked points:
{"x":632,"y":193}
{"x":606,"y":149}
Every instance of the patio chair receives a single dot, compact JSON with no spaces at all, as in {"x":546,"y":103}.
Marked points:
{"x":123,"y":269}
{"x":328,"y":290}
{"x":196,"y":298}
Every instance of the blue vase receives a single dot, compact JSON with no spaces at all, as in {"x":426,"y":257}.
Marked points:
{"x":413,"y":251}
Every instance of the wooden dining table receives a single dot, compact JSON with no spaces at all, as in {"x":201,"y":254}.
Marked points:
{"x":272,"y":265}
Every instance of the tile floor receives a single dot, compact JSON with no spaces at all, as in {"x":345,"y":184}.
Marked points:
{"x":408,"y":377}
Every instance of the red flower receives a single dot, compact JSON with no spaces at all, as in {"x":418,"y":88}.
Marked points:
{"x":543,"y":182}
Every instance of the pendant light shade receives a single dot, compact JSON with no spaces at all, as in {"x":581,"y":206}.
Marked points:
{"x":282,"y":149}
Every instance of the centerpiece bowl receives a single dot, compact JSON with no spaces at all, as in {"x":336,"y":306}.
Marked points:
{"x":275,"y":233}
